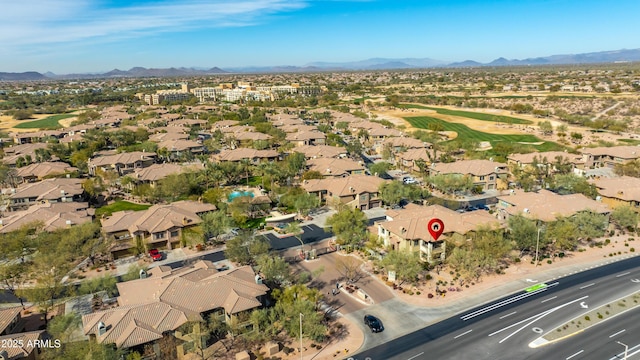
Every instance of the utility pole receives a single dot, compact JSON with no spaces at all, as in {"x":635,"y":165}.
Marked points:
{"x":301,"y":316}
{"x":626,"y":349}
{"x":538,"y":245}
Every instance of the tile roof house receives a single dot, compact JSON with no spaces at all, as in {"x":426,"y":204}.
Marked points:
{"x":545,"y":205}
{"x":53,"y":216}
{"x":407,"y":228}
{"x":485,"y":173}
{"x":25,"y":352}
{"x":543,"y":158}
{"x":330,"y":167}
{"x":160,"y":226}
{"x":10,"y":321}
{"x":399,"y":144}
{"x":318,"y":151}
{"x":301,"y":138}
{"x":123,"y":163}
{"x":620,"y":191}
{"x":156,"y":172}
{"x":13,"y":153}
{"x":151,"y":307}
{"x":168,"y":136}
{"x":253,"y":155}
{"x":357,"y":191}
{"x":46,"y":191}
{"x":38,"y":171}
{"x":409,"y":159}
{"x":609,"y":156}
{"x":178,"y":147}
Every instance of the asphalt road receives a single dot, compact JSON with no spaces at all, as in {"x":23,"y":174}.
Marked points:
{"x":504,"y":328}
{"x":312,"y":233}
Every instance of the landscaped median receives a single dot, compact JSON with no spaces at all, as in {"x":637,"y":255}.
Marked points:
{"x":591,"y":318}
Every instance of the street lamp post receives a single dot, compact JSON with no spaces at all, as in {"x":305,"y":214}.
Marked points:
{"x":301,"y":316}
{"x":626,"y":349}
{"x":538,"y":245}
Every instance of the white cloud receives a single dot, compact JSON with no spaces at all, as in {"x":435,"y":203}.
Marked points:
{"x":47,"y":22}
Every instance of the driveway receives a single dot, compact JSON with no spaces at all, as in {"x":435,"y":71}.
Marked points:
{"x":312,"y":233}
{"x":327,"y":279}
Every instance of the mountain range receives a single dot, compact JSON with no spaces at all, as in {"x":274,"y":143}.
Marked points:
{"x":624,"y":55}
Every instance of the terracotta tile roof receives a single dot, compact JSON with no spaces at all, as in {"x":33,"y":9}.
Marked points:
{"x":381,"y":131}
{"x":406,"y":142}
{"x":298,"y":127}
{"x":49,"y":189}
{"x":472,"y":167}
{"x":625,"y":152}
{"x":180,"y":145}
{"x":344,"y":186}
{"x":251,"y":136}
{"x":14,"y":152}
{"x":128,"y":326}
{"x":157,"y":218}
{"x":549,"y":155}
{"x":159,"y":137}
{"x":624,"y":188}
{"x":414,"y":154}
{"x":334,"y":167}
{"x":160,"y":171}
{"x":305,"y":135}
{"x":245,"y":153}
{"x":22,"y":352}
{"x":54,"y":216}
{"x":316,"y":151}
{"x":237,"y":129}
{"x":40,"y":170}
{"x":7,"y":315}
{"x":545,"y":205}
{"x":411,"y":222}
{"x":225,"y":123}
{"x":122,"y":158}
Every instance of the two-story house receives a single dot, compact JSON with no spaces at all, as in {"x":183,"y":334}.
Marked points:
{"x":160,"y":226}
{"x":622,"y":191}
{"x":609,"y":156}
{"x":301,"y":138}
{"x":164,"y":299}
{"x":406,"y":229}
{"x":46,"y":191}
{"x":332,"y":167}
{"x":123,"y":163}
{"x":357,"y":191}
{"x":544,"y":205}
{"x":485,"y":173}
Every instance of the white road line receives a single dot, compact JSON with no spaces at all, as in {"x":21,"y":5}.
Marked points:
{"x":586,"y":286}
{"x":623,"y":274}
{"x":504,"y":316}
{"x":415,"y":356}
{"x":505,"y":302}
{"x":464,"y":333}
{"x":630,"y":354}
{"x":549,"y":299}
{"x":618,"y":333}
{"x":576,"y":354}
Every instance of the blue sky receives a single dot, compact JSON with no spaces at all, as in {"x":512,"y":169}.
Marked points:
{"x":70,"y":36}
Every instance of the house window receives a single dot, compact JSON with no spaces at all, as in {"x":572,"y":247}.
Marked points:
{"x":481,"y":178}
{"x":158,"y":236}
{"x":363,"y":197}
{"x":490,"y":177}
{"x":175,"y":233}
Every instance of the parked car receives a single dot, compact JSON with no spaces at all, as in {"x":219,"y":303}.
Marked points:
{"x":373,"y":323}
{"x":409,"y":180}
{"x":155,"y":254}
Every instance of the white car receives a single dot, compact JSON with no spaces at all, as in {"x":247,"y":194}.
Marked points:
{"x":409,"y":180}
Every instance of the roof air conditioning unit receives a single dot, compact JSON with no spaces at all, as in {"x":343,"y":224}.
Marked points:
{"x":258,"y":279}
{"x":526,"y":210}
{"x":143,"y":274}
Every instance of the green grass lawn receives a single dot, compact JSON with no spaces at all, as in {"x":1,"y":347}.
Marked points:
{"x":630,"y":141}
{"x":464,"y":132}
{"x":50,"y":122}
{"x":472,"y":115}
{"x":120,"y":205}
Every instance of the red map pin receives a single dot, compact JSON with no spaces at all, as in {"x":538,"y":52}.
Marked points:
{"x":436,"y":227}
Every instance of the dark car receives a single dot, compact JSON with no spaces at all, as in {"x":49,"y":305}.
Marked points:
{"x":155,"y":254}
{"x":373,"y":323}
